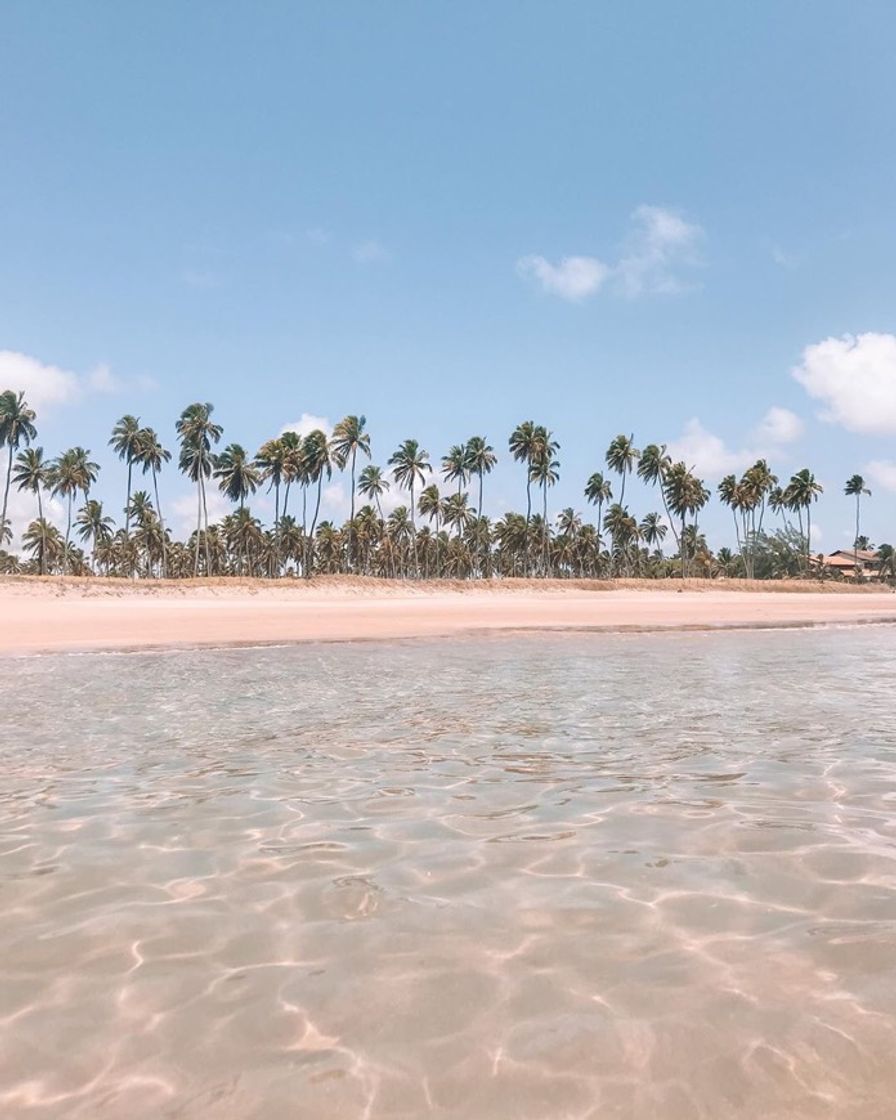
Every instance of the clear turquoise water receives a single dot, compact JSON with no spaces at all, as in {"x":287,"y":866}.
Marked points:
{"x":551,"y":876}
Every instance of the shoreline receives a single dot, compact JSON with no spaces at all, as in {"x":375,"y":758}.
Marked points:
{"x":61,"y":614}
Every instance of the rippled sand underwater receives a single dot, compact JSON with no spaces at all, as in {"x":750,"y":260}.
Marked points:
{"x":543,"y":877}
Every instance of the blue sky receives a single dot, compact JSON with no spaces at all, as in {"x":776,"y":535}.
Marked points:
{"x":634,"y":217}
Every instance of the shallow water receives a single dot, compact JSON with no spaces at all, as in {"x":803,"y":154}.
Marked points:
{"x":544,"y":877}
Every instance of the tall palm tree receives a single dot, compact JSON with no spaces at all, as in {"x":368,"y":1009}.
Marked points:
{"x":125,"y":436}
{"x":16,"y":427}
{"x":44,"y":541}
{"x":197,"y":433}
{"x":800,"y":493}
{"x":317,"y":457}
{"x":372,"y":483}
{"x":71,"y":473}
{"x":271,"y":462}
{"x":545,"y":471}
{"x":685,"y":495}
{"x":409,"y":464}
{"x":430,"y":505}
{"x":32,"y":473}
{"x":93,"y":525}
{"x":237,"y":474}
{"x":481,"y":460}
{"x":597,"y":491}
{"x":150,"y":454}
{"x":621,"y":458}
{"x":349,"y":437}
{"x":653,"y":463}
{"x":855,"y":488}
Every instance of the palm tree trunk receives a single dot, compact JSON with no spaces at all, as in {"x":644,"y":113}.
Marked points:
{"x":856,"y":544}
{"x":528,"y":519}
{"x":127,"y":508}
{"x":68,"y":530}
{"x":414,"y":534}
{"x":155,"y":487}
{"x":6,"y":491}
{"x":351,"y":516}
{"x":208,"y":555}
{"x":479,"y":510}
{"x":198,"y":527}
{"x":43,"y":533}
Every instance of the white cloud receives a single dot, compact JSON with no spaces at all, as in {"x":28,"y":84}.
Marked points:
{"x":185,"y":510}
{"x":662,"y":243}
{"x":709,"y":455}
{"x":46,"y":385}
{"x":42,"y":384}
{"x":659,"y":246}
{"x":882,"y":473}
{"x":854,"y":377}
{"x":308,"y":423}
{"x":573,"y":278}
{"x":22,"y":510}
{"x":778,"y":426}
{"x":370,"y":252}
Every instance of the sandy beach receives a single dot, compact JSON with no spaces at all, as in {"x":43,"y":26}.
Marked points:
{"x":70,"y":614}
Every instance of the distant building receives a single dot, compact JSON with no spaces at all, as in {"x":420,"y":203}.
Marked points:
{"x":845,"y":560}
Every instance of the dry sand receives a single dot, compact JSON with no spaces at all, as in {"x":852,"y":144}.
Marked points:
{"x":79,"y":614}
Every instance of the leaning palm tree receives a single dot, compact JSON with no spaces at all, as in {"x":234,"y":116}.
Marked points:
{"x":32,"y":473}
{"x":409,"y":465}
{"x":124,"y":442}
{"x":72,"y":473}
{"x":349,"y":438}
{"x":481,"y":460}
{"x":150,"y":454}
{"x":621,"y":458}
{"x":855,"y":488}
{"x":16,"y":427}
{"x":197,"y":433}
{"x":93,"y":525}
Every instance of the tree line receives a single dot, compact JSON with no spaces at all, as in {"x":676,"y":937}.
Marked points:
{"x":431,"y":534}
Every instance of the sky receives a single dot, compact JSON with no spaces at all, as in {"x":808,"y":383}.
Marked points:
{"x":670,"y":220}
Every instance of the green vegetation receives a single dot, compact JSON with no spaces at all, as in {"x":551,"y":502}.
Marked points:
{"x":455,"y":540}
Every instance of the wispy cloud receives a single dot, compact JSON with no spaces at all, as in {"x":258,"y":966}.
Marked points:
{"x":710,"y":455}
{"x":572,"y":278}
{"x":47,"y":386}
{"x":308,"y":422}
{"x":371,"y":252}
{"x":659,"y":251}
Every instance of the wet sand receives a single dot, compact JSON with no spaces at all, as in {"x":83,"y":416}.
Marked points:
{"x":59,"y":615}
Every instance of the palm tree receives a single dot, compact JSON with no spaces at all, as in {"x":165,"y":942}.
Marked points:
{"x":481,"y":460}
{"x":685,"y":494}
{"x":317,"y":459}
{"x":526,"y":443}
{"x":621,"y":458}
{"x":409,"y":465}
{"x":32,"y":472}
{"x":237,"y":475}
{"x":372,"y":483}
{"x":125,"y":436}
{"x":597,"y":491}
{"x":44,"y":540}
{"x":349,"y":438}
{"x":652,"y":530}
{"x":855,"y":488}
{"x":72,"y":473}
{"x":16,"y":427}
{"x":93,"y":525}
{"x":454,"y":465}
{"x":271,"y":461}
{"x":197,"y":433}
{"x":800,"y":493}
{"x":150,"y":454}
{"x":545,"y":470}
{"x":430,"y":505}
